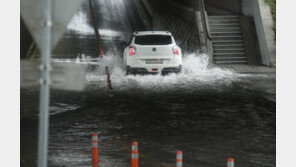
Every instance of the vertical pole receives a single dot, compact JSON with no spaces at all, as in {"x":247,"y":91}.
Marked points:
{"x":44,"y":82}
{"x":100,"y":48}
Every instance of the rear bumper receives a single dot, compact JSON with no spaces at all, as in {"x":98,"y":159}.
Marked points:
{"x":141,"y":63}
{"x":163,"y":71}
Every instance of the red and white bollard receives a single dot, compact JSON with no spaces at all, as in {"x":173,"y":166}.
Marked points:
{"x":111,"y":94}
{"x":179,"y":158}
{"x":230,"y":162}
{"x":101,"y":51}
{"x":135,"y":155}
{"x":95,"y":148}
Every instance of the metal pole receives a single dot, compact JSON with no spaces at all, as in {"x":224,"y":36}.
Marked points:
{"x":44,"y":83}
{"x":92,"y":13}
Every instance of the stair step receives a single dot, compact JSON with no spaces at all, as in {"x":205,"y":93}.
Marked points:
{"x":223,"y":32}
{"x":232,"y":36}
{"x":227,"y":42}
{"x":224,"y":21}
{"x":230,"y":54}
{"x":231,"y":50}
{"x":223,"y":17}
{"x":228,"y":46}
{"x":231,"y":58}
{"x":227,"y":37}
{"x":224,"y":25}
{"x":225,"y":29}
{"x":231,"y":62}
{"x":214,"y":34}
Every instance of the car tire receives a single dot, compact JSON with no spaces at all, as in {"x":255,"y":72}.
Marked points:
{"x":128,"y":70}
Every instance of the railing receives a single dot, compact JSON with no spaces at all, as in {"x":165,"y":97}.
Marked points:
{"x":205,"y":14}
{"x":206,"y":26}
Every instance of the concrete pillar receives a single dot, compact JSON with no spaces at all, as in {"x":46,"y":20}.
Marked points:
{"x":201,"y":33}
{"x":264,"y":28}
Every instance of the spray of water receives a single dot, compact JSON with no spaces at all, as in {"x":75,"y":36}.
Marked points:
{"x":79,"y":25}
{"x":196,"y":74}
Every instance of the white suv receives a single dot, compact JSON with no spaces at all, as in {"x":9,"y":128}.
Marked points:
{"x":152,"y":52}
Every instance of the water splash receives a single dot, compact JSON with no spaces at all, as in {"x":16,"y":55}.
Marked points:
{"x":79,"y":24}
{"x":197,"y":73}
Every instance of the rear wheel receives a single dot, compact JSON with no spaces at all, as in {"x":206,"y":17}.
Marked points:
{"x":128,"y":70}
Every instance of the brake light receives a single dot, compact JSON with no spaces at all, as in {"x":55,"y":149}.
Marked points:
{"x":175,"y":50}
{"x":132,"y":50}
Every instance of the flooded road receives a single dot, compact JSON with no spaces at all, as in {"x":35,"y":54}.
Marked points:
{"x":201,"y":111}
{"x":208,"y":127}
{"x":198,"y":111}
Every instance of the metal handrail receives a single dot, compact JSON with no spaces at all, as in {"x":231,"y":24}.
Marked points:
{"x":206,"y":20}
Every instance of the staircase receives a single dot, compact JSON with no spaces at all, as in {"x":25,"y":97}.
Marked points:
{"x":228,"y":44}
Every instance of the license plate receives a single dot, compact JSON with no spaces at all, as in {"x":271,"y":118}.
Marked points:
{"x":154,"y":61}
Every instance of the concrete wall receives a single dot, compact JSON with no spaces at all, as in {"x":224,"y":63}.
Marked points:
{"x":25,"y":40}
{"x":222,"y":7}
{"x":182,"y":31}
{"x":264,"y":27}
{"x":174,"y":17}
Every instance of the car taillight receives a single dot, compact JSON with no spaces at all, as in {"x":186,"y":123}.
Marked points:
{"x":132,"y":50}
{"x":175,"y":50}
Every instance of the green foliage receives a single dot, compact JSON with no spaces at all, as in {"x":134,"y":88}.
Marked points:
{"x":272,"y":4}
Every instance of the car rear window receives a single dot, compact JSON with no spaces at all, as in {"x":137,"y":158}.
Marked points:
{"x":153,"y":40}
